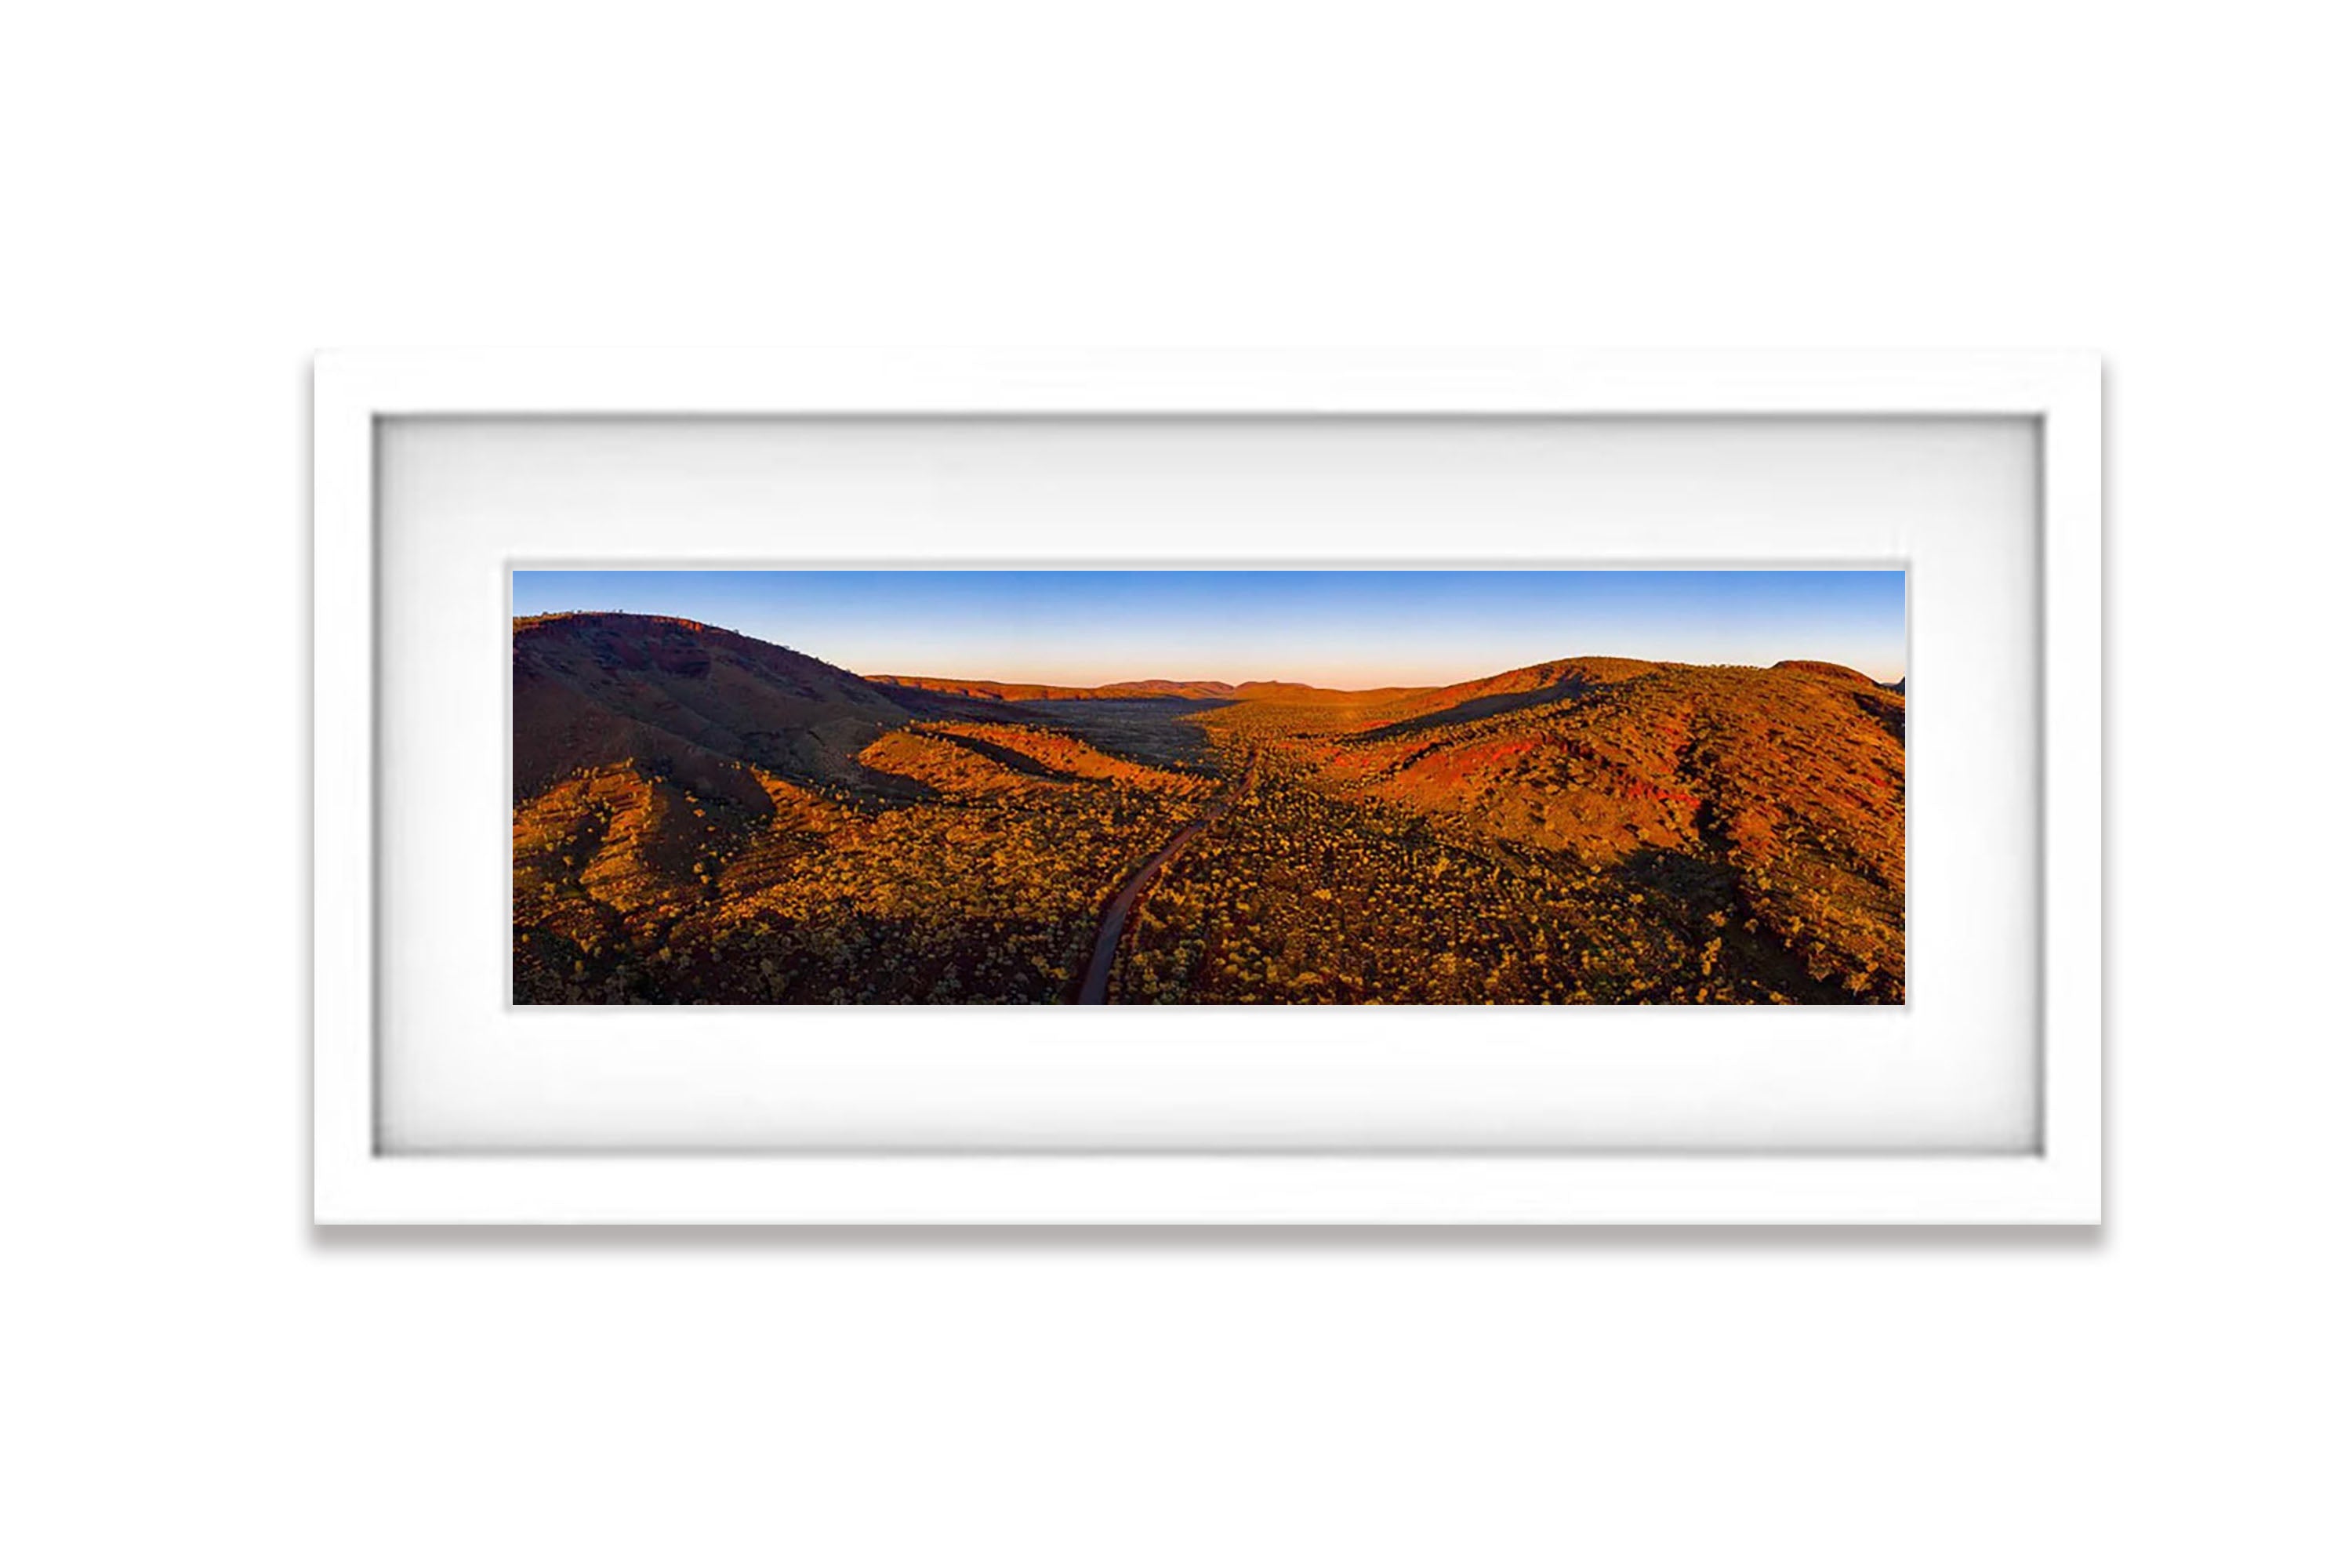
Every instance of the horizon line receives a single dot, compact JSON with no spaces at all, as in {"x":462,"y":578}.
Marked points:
{"x":1081,"y":685}
{"x":1096,"y":685}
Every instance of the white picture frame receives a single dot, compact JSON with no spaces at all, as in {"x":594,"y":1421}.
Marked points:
{"x":357,"y":1180}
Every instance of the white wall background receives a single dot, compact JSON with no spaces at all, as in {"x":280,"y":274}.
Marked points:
{"x":198,"y":196}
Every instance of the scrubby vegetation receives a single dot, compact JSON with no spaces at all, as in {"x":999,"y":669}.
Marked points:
{"x":1656,"y":833}
{"x":630,"y":889}
{"x":705,"y":819}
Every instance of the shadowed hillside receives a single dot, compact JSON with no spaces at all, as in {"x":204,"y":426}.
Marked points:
{"x":700,"y":704}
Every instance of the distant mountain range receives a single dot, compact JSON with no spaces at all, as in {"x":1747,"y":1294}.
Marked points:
{"x":1018,"y":691}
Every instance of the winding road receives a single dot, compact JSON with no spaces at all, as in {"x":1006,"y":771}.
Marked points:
{"x":1096,"y":986}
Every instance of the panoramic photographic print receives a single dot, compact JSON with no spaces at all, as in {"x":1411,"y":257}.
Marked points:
{"x":1209,"y":788}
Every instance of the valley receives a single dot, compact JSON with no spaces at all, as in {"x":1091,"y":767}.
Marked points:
{"x":704,"y":817}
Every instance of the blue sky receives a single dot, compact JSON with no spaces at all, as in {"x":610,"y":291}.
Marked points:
{"x":1329,"y":628}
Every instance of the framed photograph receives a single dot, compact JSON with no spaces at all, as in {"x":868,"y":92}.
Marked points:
{"x":1227,"y":789}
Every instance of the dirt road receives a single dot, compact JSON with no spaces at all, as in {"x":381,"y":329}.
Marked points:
{"x":1096,"y":986}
